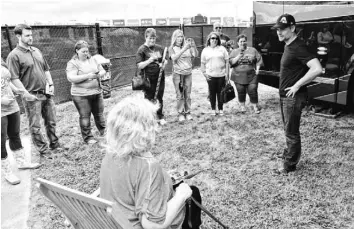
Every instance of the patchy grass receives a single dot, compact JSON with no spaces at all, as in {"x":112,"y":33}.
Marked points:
{"x":240,"y":152}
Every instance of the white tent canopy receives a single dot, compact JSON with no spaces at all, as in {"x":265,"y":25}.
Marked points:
{"x":267,"y":13}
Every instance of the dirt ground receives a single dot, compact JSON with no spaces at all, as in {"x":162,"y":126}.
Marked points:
{"x":239,"y":151}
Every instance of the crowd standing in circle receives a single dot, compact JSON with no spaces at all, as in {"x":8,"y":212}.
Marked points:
{"x":130,"y":176}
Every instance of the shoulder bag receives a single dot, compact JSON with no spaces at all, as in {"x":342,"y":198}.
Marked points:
{"x":140,"y":81}
{"x":228,"y":92}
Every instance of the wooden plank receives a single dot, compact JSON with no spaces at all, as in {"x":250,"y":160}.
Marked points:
{"x":83,"y":210}
{"x":106,"y":218}
{"x":74,"y":193}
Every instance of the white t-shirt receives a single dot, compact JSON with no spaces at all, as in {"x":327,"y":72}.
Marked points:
{"x":215,"y":60}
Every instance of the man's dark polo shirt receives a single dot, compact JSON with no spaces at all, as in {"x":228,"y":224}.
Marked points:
{"x":293,"y":65}
{"x":29,"y":66}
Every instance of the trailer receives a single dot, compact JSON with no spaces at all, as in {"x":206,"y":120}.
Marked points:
{"x":334,"y":88}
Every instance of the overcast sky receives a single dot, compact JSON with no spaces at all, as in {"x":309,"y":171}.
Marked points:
{"x":17,"y":11}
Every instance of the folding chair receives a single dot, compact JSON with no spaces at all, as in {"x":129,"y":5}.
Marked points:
{"x":83,"y":210}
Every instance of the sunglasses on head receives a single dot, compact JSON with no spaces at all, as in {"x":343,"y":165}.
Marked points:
{"x":82,"y":42}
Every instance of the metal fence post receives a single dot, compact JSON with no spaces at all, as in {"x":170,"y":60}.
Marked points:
{"x":99,"y":39}
{"x":202,"y":36}
{"x":8,"y":37}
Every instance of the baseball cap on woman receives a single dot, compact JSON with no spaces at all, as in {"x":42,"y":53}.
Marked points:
{"x":284,"y":21}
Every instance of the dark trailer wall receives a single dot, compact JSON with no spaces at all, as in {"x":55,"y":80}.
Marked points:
{"x":333,"y":86}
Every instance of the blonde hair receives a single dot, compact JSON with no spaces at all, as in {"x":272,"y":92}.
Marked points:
{"x":131,"y":127}
{"x":175,"y":34}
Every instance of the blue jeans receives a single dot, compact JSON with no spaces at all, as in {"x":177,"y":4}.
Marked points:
{"x":183,"y":98}
{"x":10,"y":126}
{"x":85,"y":106}
{"x":251,"y":89}
{"x":43,"y":107}
{"x":291,"y":114}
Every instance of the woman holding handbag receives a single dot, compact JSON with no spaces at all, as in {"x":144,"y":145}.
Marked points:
{"x":215,"y":68}
{"x":149,"y":62}
{"x":181,"y":52}
{"x":246,"y":62}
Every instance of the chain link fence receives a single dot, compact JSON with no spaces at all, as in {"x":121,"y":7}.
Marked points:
{"x":119,"y":44}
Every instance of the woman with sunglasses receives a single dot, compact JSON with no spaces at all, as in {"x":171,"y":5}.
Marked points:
{"x":149,"y":62}
{"x":182,"y":51}
{"x":215,"y":68}
{"x":84,"y":73}
{"x":246,"y":62}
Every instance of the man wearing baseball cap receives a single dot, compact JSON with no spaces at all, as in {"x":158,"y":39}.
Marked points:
{"x":298,"y":67}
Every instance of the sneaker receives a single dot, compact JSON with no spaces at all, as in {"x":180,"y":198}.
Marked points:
{"x":59,"y":148}
{"x":28,"y":165}
{"x":221,"y":113}
{"x":257,"y":110}
{"x":243,"y":109}
{"x":283,"y":171}
{"x":22,"y":162}
{"x":47,"y":155}
{"x":181,"y":118}
{"x":9,"y":175}
{"x":162,"y":122}
{"x":91,"y":141}
{"x":189,"y":117}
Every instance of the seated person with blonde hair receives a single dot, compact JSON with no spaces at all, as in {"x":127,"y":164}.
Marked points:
{"x":130,"y":175}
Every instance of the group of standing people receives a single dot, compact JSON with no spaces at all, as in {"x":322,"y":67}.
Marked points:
{"x":147,"y":196}
{"x":26,"y":73}
{"x":216,"y":59}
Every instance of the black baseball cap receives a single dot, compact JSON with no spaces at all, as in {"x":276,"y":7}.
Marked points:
{"x":284,"y":21}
